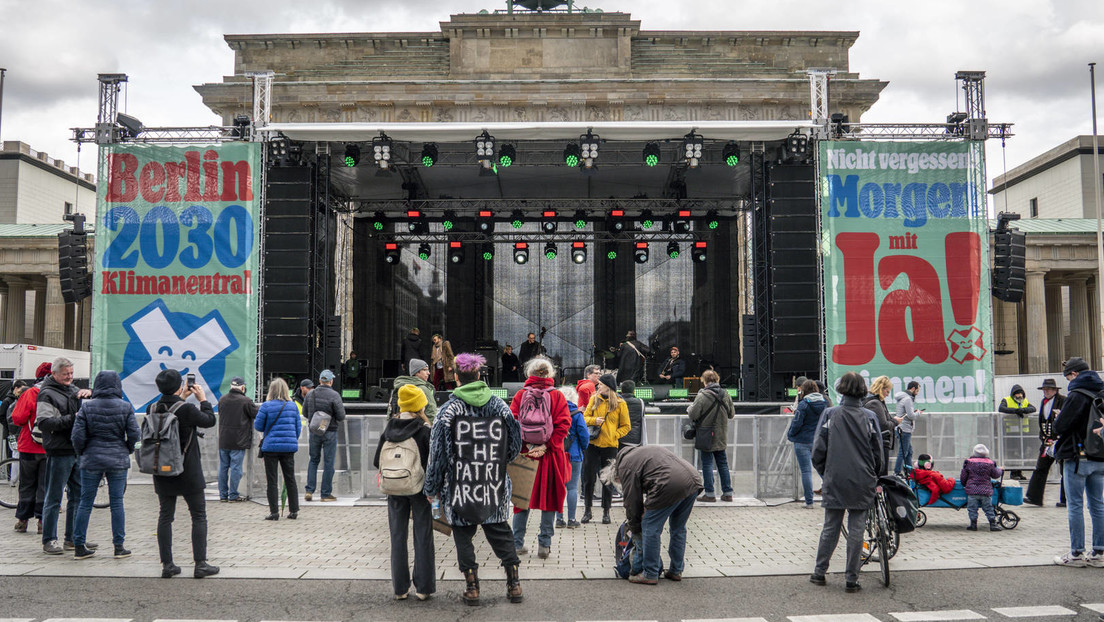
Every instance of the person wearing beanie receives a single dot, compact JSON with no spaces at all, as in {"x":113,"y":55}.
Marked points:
{"x":408,"y":426}
{"x":418,"y":377}
{"x":977,"y":474}
{"x":1083,"y":474}
{"x":607,"y":417}
{"x":32,"y":456}
{"x":1015,"y":430}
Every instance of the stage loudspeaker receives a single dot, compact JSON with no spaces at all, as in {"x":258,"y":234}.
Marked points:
{"x":794,"y":278}
{"x":333,"y":341}
{"x":377,"y":394}
{"x":285,"y":263}
{"x":394,"y":367}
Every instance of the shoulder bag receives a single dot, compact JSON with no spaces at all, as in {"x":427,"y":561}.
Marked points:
{"x":701,"y":434}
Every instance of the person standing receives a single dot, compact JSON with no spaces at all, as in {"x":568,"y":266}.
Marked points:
{"x":444,"y":364}
{"x":32,"y":456}
{"x":105,"y":431}
{"x":713,"y":408}
{"x":658,"y":488}
{"x":306,"y":385}
{"x":351,"y":372}
{"x":6,"y":408}
{"x":906,"y":423}
{"x":673,"y":370}
{"x":848,"y":455}
{"x":578,"y":438}
{"x":875,"y":402}
{"x":802,"y":432}
{"x":323,"y":447}
{"x":55,"y":410}
{"x":1084,"y":477}
{"x":587,"y":385}
{"x":608,"y":414}
{"x":473,"y":400}
{"x":1048,"y":415}
{"x":529,"y":349}
{"x":631,"y":357}
{"x":638,"y":433}
{"x":191,"y":482}
{"x":553,"y":469}
{"x":511,"y":365}
{"x":419,"y":377}
{"x":1015,"y":429}
{"x":411,"y":347}
{"x":976,"y":477}
{"x":279,"y":422}
{"x":235,"y":414}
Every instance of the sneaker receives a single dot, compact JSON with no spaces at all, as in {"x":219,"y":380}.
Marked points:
{"x":401,"y":596}
{"x":1060,"y":504}
{"x":308,"y":497}
{"x":672,"y":576}
{"x":121,"y":552}
{"x":727,"y":498}
{"x":1076,"y":560}
{"x":817,"y":579}
{"x":522,"y":550}
{"x":21,"y":526}
{"x":1096,"y":559}
{"x":543,"y":552}
{"x":994,"y":527}
{"x":421,"y":596}
{"x":971,"y":527}
{"x":224,"y":500}
{"x":641,"y":579}
{"x":91,"y":546}
{"x":82,"y":552}
{"x":809,"y":506}
{"x":329,"y":498}
{"x":239,"y":499}
{"x":572,"y":524}
{"x":560,"y":523}
{"x":52,"y":548}
{"x":707,"y":499}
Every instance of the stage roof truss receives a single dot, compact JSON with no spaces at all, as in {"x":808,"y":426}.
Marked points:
{"x":661,"y":207}
{"x":535,"y":237}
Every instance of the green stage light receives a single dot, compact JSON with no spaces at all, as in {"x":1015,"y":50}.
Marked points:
{"x":646,"y":219}
{"x":488,"y":251}
{"x":488,"y":255}
{"x":580,"y":219}
{"x":731,"y":154}
{"x":424,"y":251}
{"x":429,"y":155}
{"x":611,"y":255}
{"x":550,"y":250}
{"x":711,"y":220}
{"x":352,"y":154}
{"x":571,"y":155}
{"x":450,"y":220}
{"x":507,"y":155}
{"x":651,"y":154}
{"x":673,"y":250}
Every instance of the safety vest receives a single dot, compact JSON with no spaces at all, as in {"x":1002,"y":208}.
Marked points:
{"x":1017,"y":425}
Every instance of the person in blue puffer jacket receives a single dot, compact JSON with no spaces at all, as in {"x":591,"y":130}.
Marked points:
{"x":578,"y":437}
{"x":105,"y":431}
{"x":278,"y":420}
{"x":802,"y":432}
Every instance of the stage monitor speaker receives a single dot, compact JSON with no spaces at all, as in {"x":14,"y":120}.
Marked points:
{"x":392,"y":368}
{"x":377,"y":394}
{"x":441,"y":397}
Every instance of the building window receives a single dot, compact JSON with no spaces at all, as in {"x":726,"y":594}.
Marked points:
{"x":1034,"y":207}
{"x":68,"y":208}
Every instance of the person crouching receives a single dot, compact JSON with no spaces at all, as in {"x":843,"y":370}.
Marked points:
{"x":978,"y":471}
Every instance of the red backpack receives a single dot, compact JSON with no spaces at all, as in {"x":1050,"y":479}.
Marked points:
{"x":535,"y":415}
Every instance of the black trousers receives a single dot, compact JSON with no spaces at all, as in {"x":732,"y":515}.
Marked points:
{"x":197,"y":507}
{"x":399,"y":511}
{"x":1037,"y":486}
{"x":593,"y":461}
{"x":285,"y":462}
{"x":499,"y":536}
{"x":32,"y":486}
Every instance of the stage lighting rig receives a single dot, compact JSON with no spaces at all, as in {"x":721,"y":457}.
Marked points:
{"x":417,"y":222}
{"x":379,"y":222}
{"x":484,"y":149}
{"x":616,"y":220}
{"x":731,"y":153}
{"x":456,"y":253}
{"x":391,"y":253}
{"x":589,"y":149}
{"x":841,"y":124}
{"x":578,"y":252}
{"x":647,"y":221}
{"x":651,"y":154}
{"x":673,"y":250}
{"x":424,"y":251}
{"x":681,"y":223}
{"x":381,"y":151}
{"x":507,"y":155}
{"x":486,"y":221}
{"x":580,"y":219}
{"x":571,"y":155}
{"x":797,"y":145}
{"x":449,"y":220}
{"x":548,"y":221}
{"x":521,"y":252}
{"x":640,"y":255}
{"x":241,"y":127}
{"x":692,"y":146}
{"x":487,"y":251}
{"x":711,"y":220}
{"x":517,"y":219}
{"x":698,"y":254}
{"x":352,"y":155}
{"x":430,"y":153}
{"x":550,"y":250}
{"x":132,"y":127}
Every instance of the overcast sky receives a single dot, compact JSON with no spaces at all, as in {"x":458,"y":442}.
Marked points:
{"x":1035,"y":52}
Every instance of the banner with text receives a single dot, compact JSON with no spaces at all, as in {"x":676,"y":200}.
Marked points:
{"x":177,"y":238}
{"x":906,"y":269}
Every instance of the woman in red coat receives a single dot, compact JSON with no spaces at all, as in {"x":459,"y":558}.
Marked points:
{"x":553,"y":468}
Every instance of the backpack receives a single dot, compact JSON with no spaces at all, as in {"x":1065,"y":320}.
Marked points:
{"x":904,"y":507}
{"x":160,"y":453}
{"x":400,"y":468}
{"x":535,"y":416}
{"x":1093,"y":446}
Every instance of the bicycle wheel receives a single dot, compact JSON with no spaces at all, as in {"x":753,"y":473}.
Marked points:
{"x":893,"y":538}
{"x":883,"y":542}
{"x":870,"y":540}
{"x":9,"y":483}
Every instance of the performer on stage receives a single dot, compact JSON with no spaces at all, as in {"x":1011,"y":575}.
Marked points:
{"x":632,"y":355}
{"x":511,"y":366}
{"x":673,"y":369}
{"x":530,"y":348}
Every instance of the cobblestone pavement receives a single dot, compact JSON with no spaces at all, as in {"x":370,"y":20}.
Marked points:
{"x":351,"y":542}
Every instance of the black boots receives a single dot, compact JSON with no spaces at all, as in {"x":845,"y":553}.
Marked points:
{"x":471,"y":592}
{"x":605,"y":517}
{"x":587,"y":516}
{"x":203,"y":569}
{"x":169,"y":570}
{"x":513,"y":584}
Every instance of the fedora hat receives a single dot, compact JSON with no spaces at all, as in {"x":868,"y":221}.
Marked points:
{"x":1049,"y":383}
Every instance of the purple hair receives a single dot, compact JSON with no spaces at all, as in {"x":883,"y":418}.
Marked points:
{"x":468,"y":362}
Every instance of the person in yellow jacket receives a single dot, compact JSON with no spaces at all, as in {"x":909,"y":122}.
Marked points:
{"x":1016,"y":430}
{"x":610,"y":415}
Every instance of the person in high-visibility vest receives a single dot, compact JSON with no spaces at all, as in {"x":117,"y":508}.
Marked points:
{"x":1016,"y":404}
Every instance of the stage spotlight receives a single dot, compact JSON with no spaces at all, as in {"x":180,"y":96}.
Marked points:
{"x":692,"y":147}
{"x":711,"y":220}
{"x":841,"y":124}
{"x":486,"y":221}
{"x":430,"y":153}
{"x":277,"y":149}
{"x":352,"y":154}
{"x":488,"y":251}
{"x":507,"y":155}
{"x":580,"y":219}
{"x":797,"y":145}
{"x":548,"y":221}
{"x":673,"y":250}
{"x":578,"y":252}
{"x":731,"y":153}
{"x":611,"y":255}
{"x":517,"y":219}
{"x":424,"y":251}
{"x":456,"y":252}
{"x":484,"y":147}
{"x":681,"y":222}
{"x":698,"y":254}
{"x":379,"y":221}
{"x":449,"y":220}
{"x":131,"y":126}
{"x":640,"y":255}
{"x":589,"y":149}
{"x":550,"y":250}
{"x":416,"y":222}
{"x":521,"y":252}
{"x":241,"y":127}
{"x":651,"y":154}
{"x":646,"y":219}
{"x":616,"y":220}
{"x":391,"y":253}
{"x":571,"y":155}
{"x":381,"y":151}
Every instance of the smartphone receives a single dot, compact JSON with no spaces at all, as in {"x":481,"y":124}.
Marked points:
{"x":191,"y":380}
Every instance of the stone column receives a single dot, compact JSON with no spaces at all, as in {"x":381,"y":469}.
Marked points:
{"x":3,"y":311}
{"x":16,"y":317}
{"x":54,"y":332}
{"x":1094,"y":324}
{"x":1055,"y":333}
{"x":1080,"y":323}
{"x":84,"y":323}
{"x":39,"y":312}
{"x":1035,"y":298}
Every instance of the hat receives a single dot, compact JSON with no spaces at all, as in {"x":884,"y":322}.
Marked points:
{"x":1049,"y":383}
{"x":1075,"y":364}
{"x":609,"y":381}
{"x":307,"y":382}
{"x":924,"y":461}
{"x":981,"y":450}
{"x":326,"y":376}
{"x":628,"y":387}
{"x":411,"y":399}
{"x":42,"y":370}
{"x":168,"y":381}
{"x":237,"y":382}
{"x":417,"y":365}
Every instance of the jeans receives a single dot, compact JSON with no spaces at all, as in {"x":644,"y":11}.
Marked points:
{"x":61,"y":472}
{"x":652,"y":527}
{"x":986,"y":503}
{"x":230,"y":472}
{"x":904,"y":452}
{"x":707,"y":459}
{"x":804,"y":454}
{"x":572,"y":490}
{"x":90,"y":484}
{"x":399,"y":512}
{"x":498,"y":536}
{"x":544,"y":538}
{"x":829,"y":538}
{"x":285,"y":462}
{"x":596,"y":458}
{"x":197,"y":507}
{"x":322,"y":447}
{"x":32,"y":486}
{"x":1083,"y":477}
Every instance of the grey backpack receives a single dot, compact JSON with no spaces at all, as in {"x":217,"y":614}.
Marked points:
{"x":160,"y":453}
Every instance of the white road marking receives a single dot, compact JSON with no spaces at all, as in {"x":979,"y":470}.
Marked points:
{"x":727,"y":620}
{"x":88,"y":620}
{"x":1097,"y":607}
{"x":1034,"y":612}
{"x":836,"y":617}
{"x":934,"y":616}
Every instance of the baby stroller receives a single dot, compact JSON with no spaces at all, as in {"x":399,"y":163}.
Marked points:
{"x":956,"y":499}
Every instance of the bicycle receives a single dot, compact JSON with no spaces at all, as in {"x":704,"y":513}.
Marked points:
{"x":9,"y":486}
{"x":880,"y":536}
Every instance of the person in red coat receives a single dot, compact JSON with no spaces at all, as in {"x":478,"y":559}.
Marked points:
{"x":931,"y":479}
{"x":32,"y":456}
{"x":553,"y":468}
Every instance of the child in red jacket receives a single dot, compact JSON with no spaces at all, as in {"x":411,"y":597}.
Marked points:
{"x":932,"y":480}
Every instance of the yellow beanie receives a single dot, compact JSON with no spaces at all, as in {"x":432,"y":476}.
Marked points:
{"x":411,"y":399}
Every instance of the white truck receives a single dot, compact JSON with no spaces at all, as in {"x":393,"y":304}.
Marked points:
{"x":19,"y":361}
